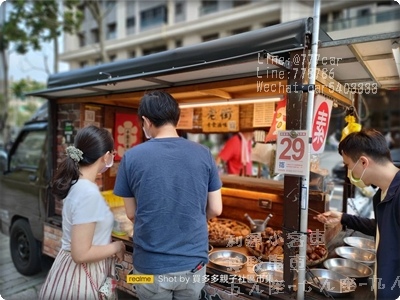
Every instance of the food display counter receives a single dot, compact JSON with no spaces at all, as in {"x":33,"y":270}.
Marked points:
{"x":243,"y":283}
{"x":258,"y":198}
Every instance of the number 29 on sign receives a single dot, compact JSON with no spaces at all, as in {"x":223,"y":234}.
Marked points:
{"x":291,"y":149}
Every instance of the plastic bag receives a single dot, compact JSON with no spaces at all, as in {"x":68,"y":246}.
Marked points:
{"x":352,"y":126}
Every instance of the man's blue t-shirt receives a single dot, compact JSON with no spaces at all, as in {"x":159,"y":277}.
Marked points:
{"x":170,"y":179}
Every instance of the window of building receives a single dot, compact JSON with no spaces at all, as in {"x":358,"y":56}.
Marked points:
{"x":241,"y":30}
{"x":386,"y":3}
{"x":82,"y":39}
{"x":178,"y":8}
{"x":363,"y":17}
{"x":130,"y":22}
{"x":240,"y":3}
{"x":132,"y":54}
{"x":110,"y":4}
{"x":178,"y":43}
{"x":112,"y":57}
{"x":324,"y":22}
{"x":154,"y":50}
{"x":111,"y":31}
{"x":154,"y":16}
{"x":388,"y":15}
{"x":95,"y":35}
{"x":210,"y":37}
{"x":208,"y":7}
{"x":97,"y":61}
{"x":83,"y":64}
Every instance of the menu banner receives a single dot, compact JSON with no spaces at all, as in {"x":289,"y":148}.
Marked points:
{"x":221,"y":118}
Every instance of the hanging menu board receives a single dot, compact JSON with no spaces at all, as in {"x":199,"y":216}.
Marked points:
{"x":263,"y":114}
{"x":222,"y":118}
{"x":186,"y":119}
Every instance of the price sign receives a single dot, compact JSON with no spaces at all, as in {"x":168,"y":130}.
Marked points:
{"x":291,"y":152}
{"x":322,"y":115}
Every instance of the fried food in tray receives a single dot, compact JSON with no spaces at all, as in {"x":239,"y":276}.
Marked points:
{"x":226,"y":232}
{"x":316,"y":254}
{"x":268,"y":246}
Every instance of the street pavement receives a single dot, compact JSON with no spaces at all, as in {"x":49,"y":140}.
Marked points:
{"x":13,"y":285}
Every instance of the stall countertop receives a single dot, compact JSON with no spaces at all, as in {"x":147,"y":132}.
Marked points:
{"x":245,"y":277}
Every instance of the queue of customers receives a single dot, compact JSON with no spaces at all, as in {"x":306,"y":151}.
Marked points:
{"x":171,"y":187}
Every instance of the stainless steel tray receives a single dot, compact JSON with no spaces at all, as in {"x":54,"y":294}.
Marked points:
{"x":331,"y":282}
{"x":356,"y":254}
{"x":269,"y":271}
{"x":360,"y":242}
{"x":348,"y":267}
{"x":228,"y":260}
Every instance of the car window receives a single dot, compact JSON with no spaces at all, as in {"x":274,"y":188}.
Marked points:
{"x":28,"y":151}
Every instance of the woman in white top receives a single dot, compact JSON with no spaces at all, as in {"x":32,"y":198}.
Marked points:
{"x":87,"y":220}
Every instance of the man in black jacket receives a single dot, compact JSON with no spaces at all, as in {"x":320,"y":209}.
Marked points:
{"x":368,"y":161}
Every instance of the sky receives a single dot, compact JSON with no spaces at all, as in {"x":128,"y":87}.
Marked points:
{"x":32,"y":64}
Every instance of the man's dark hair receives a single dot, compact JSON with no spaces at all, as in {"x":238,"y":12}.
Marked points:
{"x":160,"y":108}
{"x":368,"y":142}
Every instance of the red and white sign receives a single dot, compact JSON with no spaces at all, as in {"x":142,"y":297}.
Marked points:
{"x":291,"y":152}
{"x":127,"y":133}
{"x":321,"y":118}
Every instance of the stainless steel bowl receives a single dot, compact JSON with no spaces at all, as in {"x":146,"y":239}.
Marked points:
{"x":360,"y":242}
{"x":269,"y":271}
{"x":210,"y":248}
{"x":332,"y":282}
{"x":348,"y":267}
{"x":356,"y":254}
{"x":228,"y":260}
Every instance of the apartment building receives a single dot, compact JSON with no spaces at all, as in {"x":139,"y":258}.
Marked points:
{"x":134,"y":28}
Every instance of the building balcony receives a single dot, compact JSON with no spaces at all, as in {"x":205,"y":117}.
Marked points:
{"x":373,"y":19}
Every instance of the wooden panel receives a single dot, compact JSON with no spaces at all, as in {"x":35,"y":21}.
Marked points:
{"x":237,"y":202}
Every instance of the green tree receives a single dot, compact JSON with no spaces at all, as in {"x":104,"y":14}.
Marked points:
{"x":30,"y":23}
{"x":99,"y":9}
{"x":26,"y":106}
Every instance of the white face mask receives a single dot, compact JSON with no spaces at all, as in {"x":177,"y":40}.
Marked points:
{"x":357,"y":182}
{"x":147,"y":135}
{"x":108,"y":165}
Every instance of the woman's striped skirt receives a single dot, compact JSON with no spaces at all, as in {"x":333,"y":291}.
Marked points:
{"x":68,"y":280}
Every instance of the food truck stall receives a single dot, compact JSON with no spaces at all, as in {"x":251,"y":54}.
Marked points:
{"x":223,"y":86}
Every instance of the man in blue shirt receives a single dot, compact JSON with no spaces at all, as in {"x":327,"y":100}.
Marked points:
{"x":170,"y":187}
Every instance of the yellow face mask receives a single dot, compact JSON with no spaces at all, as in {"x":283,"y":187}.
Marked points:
{"x":357,"y":182}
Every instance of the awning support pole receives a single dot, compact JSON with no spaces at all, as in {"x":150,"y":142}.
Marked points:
{"x":306,"y":179}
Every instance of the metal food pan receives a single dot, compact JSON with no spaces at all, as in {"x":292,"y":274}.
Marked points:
{"x":228,"y":260}
{"x":269,"y":271}
{"x":348,"y":268}
{"x":356,"y":254}
{"x":331,"y":282}
{"x":360,"y":242}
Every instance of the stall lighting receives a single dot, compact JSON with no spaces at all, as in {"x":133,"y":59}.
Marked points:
{"x":396,"y":55}
{"x":229,"y":102}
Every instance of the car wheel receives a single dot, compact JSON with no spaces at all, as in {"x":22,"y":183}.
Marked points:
{"x":25,"y":249}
